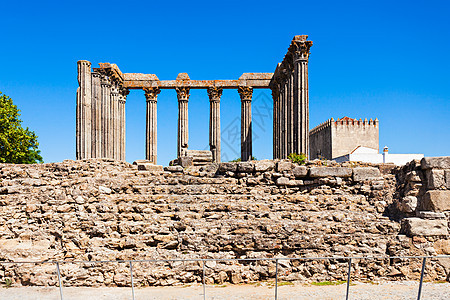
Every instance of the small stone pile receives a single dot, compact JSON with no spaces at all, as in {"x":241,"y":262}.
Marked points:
{"x":101,"y":209}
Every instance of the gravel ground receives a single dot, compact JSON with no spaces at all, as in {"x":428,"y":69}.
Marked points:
{"x":384,"y":290}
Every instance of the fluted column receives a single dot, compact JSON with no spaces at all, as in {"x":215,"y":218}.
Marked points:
{"x":214,"y":94}
{"x":284,"y":113}
{"x":276,"y":100}
{"x":300,"y":48}
{"x":122,"y":100}
{"x":96,"y":115}
{"x":183,"y":132}
{"x":106,"y":100}
{"x":84,"y":111}
{"x":246,"y":122}
{"x":151,"y":95}
{"x":113,"y":122}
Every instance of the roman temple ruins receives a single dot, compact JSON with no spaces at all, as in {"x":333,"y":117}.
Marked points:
{"x":102,"y":93}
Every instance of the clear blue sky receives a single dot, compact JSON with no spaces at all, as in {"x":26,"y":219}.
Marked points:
{"x":384,"y":59}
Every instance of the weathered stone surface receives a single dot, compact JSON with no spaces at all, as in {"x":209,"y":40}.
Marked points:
{"x":57,"y":212}
{"x":300,"y":171}
{"x":246,"y":167}
{"x":435,"y":162}
{"x":430,"y":215}
{"x":228,"y":167}
{"x":436,"y":178}
{"x":284,"y":165}
{"x":330,"y":171}
{"x":437,"y":200}
{"x":361,"y":174}
{"x":408,"y":204}
{"x":150,"y":167}
{"x":423,"y":227}
{"x":447,"y":179}
{"x":185,"y":161}
{"x":264,"y":165}
{"x":176,"y":169}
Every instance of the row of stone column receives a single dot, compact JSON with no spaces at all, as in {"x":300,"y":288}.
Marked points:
{"x":291,"y":101}
{"x":100,"y":115}
{"x":183,"y":94}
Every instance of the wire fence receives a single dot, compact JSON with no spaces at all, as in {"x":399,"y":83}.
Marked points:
{"x":204,"y":260}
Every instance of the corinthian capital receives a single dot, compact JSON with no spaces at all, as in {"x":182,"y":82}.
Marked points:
{"x":214,"y":93}
{"x":182,"y":93}
{"x":245,"y":92}
{"x":300,"y":47}
{"x":151,"y":93}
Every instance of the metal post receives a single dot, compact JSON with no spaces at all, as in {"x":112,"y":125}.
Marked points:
{"x":421,"y":278}
{"x":132,"y":281}
{"x":203,"y":282}
{"x":276,"y":279}
{"x":59,"y":280}
{"x":348,"y":277}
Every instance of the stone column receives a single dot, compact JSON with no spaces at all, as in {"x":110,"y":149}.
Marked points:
{"x":96,"y":116}
{"x":106,"y":100}
{"x":276,"y":100}
{"x":84,"y":111}
{"x":151,"y":95}
{"x":183,"y":133}
{"x":114,"y":99}
{"x":246,"y":122}
{"x":123,"y":100}
{"x":214,"y":94}
{"x":301,"y":53}
{"x":283,"y":120}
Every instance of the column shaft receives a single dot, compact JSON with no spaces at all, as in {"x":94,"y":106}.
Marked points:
{"x":246,"y":122}
{"x":96,"y":116}
{"x":183,"y":132}
{"x":84,"y":111}
{"x":214,"y":94}
{"x":106,"y":100}
{"x":151,"y":94}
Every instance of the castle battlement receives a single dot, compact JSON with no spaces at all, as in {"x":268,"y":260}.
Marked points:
{"x":334,"y":138}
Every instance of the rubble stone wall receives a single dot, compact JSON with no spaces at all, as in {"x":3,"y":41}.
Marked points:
{"x":102,"y":209}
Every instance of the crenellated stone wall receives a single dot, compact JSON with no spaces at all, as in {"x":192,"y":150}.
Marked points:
{"x":101,"y":209}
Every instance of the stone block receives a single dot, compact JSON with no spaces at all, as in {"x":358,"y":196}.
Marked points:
{"x":264,"y":165}
{"x":330,"y":171}
{"x":300,"y":171}
{"x":436,"y":200}
{"x":246,"y":167}
{"x":430,"y":215}
{"x":408,"y":204}
{"x":361,"y":174}
{"x":228,"y":167}
{"x":424,"y":227}
{"x":185,"y":161}
{"x":150,"y":167}
{"x":435,"y":178}
{"x":282,"y":181}
{"x":284,"y":165}
{"x":442,"y":162}
{"x":174,"y":169}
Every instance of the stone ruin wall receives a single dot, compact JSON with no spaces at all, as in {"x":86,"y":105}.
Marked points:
{"x":102,"y":209}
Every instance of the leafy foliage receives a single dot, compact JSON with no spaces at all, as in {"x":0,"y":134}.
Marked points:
{"x":297,"y":158}
{"x":17,"y":145}
{"x":239,"y":159}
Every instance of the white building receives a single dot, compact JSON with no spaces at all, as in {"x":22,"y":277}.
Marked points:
{"x":370,"y":155}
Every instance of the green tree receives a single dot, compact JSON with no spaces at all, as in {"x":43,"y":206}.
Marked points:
{"x":17,"y":145}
